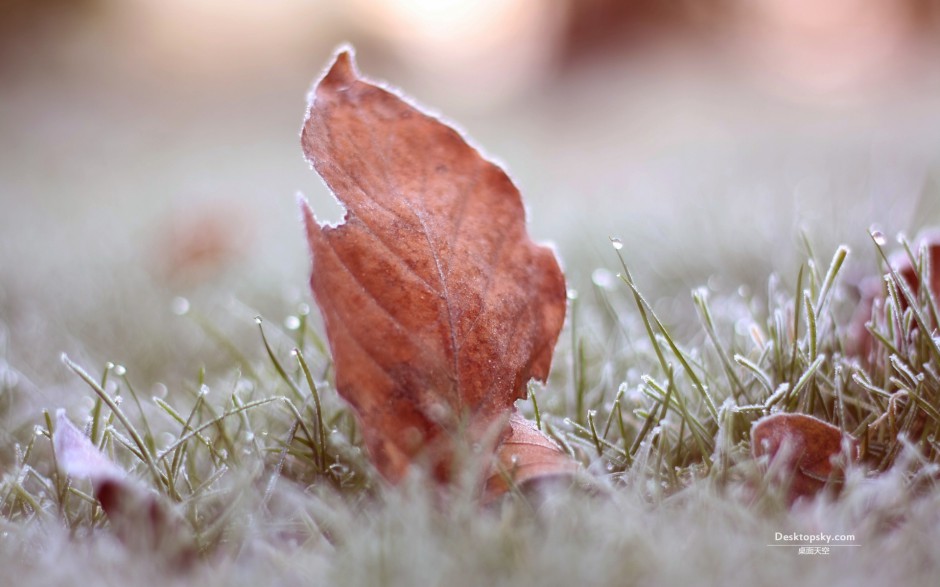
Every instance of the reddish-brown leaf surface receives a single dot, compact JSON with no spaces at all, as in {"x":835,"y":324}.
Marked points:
{"x":527,"y":455}
{"x":437,"y":305}
{"x":930,"y":241}
{"x":871,"y":291}
{"x":809,"y":449}
{"x":138,"y":516}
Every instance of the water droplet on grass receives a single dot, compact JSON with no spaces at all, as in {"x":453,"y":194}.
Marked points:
{"x":119,"y":370}
{"x":603,"y":278}
{"x":617,"y":243}
{"x":179,"y":306}
{"x":878,"y":237}
{"x":339,"y":469}
{"x":292,"y":323}
{"x":160,"y":390}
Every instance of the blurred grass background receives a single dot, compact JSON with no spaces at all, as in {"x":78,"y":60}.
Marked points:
{"x":149,"y":149}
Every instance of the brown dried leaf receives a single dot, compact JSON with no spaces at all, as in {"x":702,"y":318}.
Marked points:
{"x":79,"y":458}
{"x":139,"y":517}
{"x":871,"y":292}
{"x":902,"y":263}
{"x":527,"y":455}
{"x":437,"y":305}
{"x":197,"y":244}
{"x":804,"y":448}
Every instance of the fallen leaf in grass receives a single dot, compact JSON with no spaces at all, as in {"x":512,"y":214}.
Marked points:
{"x":902,"y":264}
{"x":139,"y":517}
{"x":196,"y":244}
{"x":871,"y":291}
{"x":527,"y":456}
{"x":437,"y":305}
{"x":803,"y":449}
{"x":80,"y":458}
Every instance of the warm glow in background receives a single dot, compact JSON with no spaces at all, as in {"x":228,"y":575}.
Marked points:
{"x":149,"y":148}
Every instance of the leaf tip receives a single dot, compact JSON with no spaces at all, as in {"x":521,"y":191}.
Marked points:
{"x":343,"y":72}
{"x":78,"y":456}
{"x":306,"y":212}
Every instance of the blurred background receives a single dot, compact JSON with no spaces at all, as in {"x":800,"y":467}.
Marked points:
{"x":149,"y":149}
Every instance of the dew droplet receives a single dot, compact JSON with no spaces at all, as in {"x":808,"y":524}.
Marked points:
{"x":617,"y":243}
{"x":294,"y":352}
{"x":119,"y":370}
{"x":204,"y":390}
{"x":292,"y":323}
{"x":437,"y":411}
{"x":303,"y":309}
{"x":179,"y":306}
{"x":339,"y":469}
{"x":603,"y":278}
{"x":108,"y":366}
{"x":38,"y":430}
{"x":160,"y":390}
{"x":572,"y":294}
{"x":878,"y":237}
{"x":258,"y":320}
